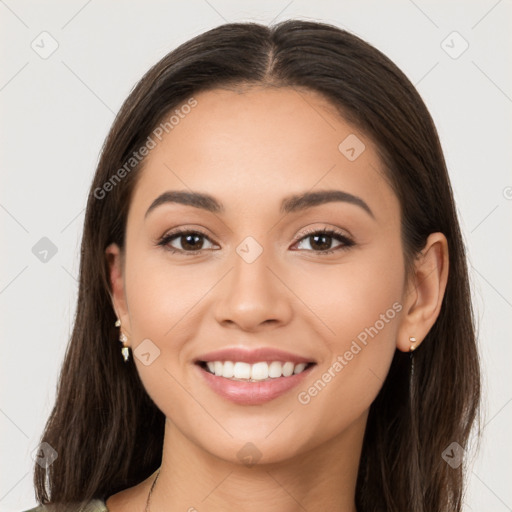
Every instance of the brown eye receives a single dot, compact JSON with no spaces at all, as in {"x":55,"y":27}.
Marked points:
{"x":187,"y":241}
{"x":320,"y":241}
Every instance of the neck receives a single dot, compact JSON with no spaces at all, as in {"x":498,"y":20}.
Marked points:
{"x":320,"y":478}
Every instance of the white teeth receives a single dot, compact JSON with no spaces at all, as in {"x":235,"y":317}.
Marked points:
{"x":259,"y":371}
{"x":299,"y":368}
{"x":228,"y":369}
{"x":256,"y":372}
{"x":288,"y":369}
{"x":241,"y":370}
{"x":275,"y":369}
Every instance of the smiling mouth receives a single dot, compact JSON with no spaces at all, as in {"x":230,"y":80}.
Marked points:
{"x":256,"y":372}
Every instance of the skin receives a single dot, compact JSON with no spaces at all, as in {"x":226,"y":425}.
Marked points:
{"x":249,"y":149}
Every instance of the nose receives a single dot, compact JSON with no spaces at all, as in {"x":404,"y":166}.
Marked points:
{"x":253,"y":296}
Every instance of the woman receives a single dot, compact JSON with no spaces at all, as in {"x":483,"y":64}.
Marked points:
{"x":271,"y":234}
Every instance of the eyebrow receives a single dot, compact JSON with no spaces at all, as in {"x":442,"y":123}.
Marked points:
{"x":290,"y":204}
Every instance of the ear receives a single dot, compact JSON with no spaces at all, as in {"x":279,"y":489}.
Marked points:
{"x":115,"y":262}
{"x":424,"y":292}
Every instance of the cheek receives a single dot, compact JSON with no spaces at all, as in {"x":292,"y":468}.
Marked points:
{"x":363,"y":290}
{"x":367,"y":293}
{"x":162,"y":296}
{"x":359,"y":305}
{"x":164,"y":305}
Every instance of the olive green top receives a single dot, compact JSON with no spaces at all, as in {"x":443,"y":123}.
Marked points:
{"x":93,"y":506}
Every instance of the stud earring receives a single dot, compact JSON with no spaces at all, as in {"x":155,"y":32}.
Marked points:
{"x":125,"y":350}
{"x":412,"y":339}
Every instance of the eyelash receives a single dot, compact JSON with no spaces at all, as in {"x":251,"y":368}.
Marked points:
{"x":347,"y":242}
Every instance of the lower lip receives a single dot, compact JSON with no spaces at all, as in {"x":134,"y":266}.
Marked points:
{"x":252,"y":393}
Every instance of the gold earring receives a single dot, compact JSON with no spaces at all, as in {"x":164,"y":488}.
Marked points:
{"x":412,"y":339}
{"x":125,"y":350}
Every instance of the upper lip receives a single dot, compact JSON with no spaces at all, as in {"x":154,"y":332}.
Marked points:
{"x":252,"y":356}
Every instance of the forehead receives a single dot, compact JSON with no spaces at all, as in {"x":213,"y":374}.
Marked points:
{"x":252,"y":147}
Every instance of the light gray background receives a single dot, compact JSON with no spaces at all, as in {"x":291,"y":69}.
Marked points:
{"x":55,"y":113}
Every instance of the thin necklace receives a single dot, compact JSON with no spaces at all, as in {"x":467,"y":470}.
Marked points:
{"x":151,"y":490}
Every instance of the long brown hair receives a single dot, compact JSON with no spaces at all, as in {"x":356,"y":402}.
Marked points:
{"x":107,"y":431}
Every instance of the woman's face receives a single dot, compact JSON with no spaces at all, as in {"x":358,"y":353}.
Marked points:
{"x":258,"y":276}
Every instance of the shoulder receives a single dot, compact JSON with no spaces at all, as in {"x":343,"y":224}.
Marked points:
{"x":96,"y":505}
